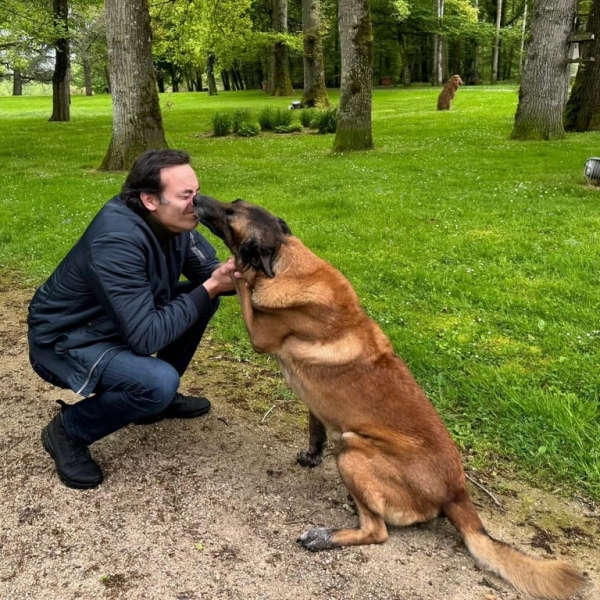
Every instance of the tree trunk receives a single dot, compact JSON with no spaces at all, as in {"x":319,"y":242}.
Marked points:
{"x":61,"y":95}
{"x":87,"y":76}
{"x":174,"y":77}
{"x":160,"y":80}
{"x":137,"y":121}
{"x":583,"y":107}
{"x":438,"y":46}
{"x":543,"y":92}
{"x":354,"y":130}
{"x":17,"y":83}
{"x":210,"y":75}
{"x":523,"y":33}
{"x":282,"y":84}
{"x":225,"y":81}
{"x":315,"y":91}
{"x":496,"y":51}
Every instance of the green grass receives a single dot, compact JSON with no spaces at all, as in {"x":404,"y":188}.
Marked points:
{"x":478,"y":256}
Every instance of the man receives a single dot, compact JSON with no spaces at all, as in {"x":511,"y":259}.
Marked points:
{"x":115,"y":301}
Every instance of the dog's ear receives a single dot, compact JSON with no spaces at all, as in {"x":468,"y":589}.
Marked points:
{"x":284,"y":226}
{"x":258,"y":256}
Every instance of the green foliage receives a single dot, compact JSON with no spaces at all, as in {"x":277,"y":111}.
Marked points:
{"x":282,"y":117}
{"x":241,"y":116}
{"x":325,"y":120}
{"x":278,"y":119}
{"x":222,"y":123}
{"x":477,"y":255}
{"x":291,"y":128}
{"x":266,"y":118}
{"x":306,"y":116}
{"x":248,"y":129}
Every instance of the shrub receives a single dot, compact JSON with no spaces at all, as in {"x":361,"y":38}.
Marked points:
{"x":325,"y":121}
{"x":306,"y":116}
{"x":241,"y":116}
{"x":288,"y":128}
{"x":248,"y":129}
{"x":282,"y":116}
{"x":221,"y":124}
{"x":266,"y":118}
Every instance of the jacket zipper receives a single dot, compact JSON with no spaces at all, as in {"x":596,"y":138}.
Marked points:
{"x":89,"y":375}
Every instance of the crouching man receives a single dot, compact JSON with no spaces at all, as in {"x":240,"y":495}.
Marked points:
{"x":115,"y":324}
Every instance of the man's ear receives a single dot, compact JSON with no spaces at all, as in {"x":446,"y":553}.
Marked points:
{"x":148,"y":200}
{"x":257,"y":256}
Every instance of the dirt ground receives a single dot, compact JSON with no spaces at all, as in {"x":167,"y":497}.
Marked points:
{"x":211,"y":508}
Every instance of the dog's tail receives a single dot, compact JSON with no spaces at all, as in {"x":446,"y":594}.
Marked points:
{"x":551,"y":579}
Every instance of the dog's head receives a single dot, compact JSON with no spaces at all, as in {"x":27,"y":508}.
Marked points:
{"x":252,"y":234}
{"x":457,"y":80}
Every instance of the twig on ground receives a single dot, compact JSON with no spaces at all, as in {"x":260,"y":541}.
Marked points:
{"x":267,"y":414}
{"x":272,"y":407}
{"x":11,"y":447}
{"x":499,"y":504}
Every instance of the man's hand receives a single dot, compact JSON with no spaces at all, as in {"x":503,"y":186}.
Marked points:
{"x":222,"y":279}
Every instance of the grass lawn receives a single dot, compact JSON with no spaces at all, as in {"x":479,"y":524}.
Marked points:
{"x":479,"y":256}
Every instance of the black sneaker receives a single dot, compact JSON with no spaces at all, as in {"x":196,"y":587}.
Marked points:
{"x":74,"y":464}
{"x":182,"y":407}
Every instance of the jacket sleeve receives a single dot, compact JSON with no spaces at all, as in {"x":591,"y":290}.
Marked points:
{"x":119,"y":279}
{"x":200,"y":259}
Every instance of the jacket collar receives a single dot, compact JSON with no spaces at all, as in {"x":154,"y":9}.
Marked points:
{"x":162,"y":233}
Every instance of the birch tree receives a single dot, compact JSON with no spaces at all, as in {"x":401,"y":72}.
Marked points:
{"x":438,"y":45}
{"x":496,"y":50}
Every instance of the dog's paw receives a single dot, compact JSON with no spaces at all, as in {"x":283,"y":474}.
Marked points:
{"x":306,"y":459}
{"x":317,"y":539}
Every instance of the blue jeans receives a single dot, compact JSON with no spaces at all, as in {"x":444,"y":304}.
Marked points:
{"x":131,"y":387}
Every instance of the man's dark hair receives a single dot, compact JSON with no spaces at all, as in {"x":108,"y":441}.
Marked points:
{"x":144,"y":175}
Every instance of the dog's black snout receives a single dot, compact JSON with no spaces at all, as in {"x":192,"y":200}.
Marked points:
{"x":200,"y":199}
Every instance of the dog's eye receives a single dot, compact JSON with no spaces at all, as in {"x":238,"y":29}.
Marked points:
{"x":229,"y":211}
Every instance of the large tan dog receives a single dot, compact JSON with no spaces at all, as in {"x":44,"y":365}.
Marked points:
{"x":395,"y":455}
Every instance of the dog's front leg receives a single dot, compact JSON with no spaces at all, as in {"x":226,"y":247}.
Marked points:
{"x":244,"y":294}
{"x":317,"y":440}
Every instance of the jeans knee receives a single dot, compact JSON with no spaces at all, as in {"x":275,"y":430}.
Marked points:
{"x":162,"y":386}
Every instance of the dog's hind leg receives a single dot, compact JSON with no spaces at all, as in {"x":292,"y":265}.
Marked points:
{"x":357,"y":473}
{"x":378,"y":490}
{"x":317,"y":440}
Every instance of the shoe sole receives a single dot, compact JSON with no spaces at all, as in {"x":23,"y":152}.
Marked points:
{"x":47,"y":444}
{"x":157,"y":419}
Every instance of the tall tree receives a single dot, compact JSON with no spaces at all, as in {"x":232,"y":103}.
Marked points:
{"x":282,"y":84}
{"x":88,"y":43}
{"x":354,"y":131}
{"x":137,"y":121}
{"x":438,"y":45}
{"x":583,"y":106}
{"x":543,"y":92}
{"x":315,"y":92}
{"x":496,"y":50}
{"x":61,"y":80}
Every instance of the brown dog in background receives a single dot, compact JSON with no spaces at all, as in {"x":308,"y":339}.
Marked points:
{"x":395,"y":455}
{"x":447,"y":94}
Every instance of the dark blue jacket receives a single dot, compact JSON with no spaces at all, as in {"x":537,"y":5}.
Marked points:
{"x":113,"y":291}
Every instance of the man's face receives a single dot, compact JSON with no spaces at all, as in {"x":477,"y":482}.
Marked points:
{"x":175,"y":208}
